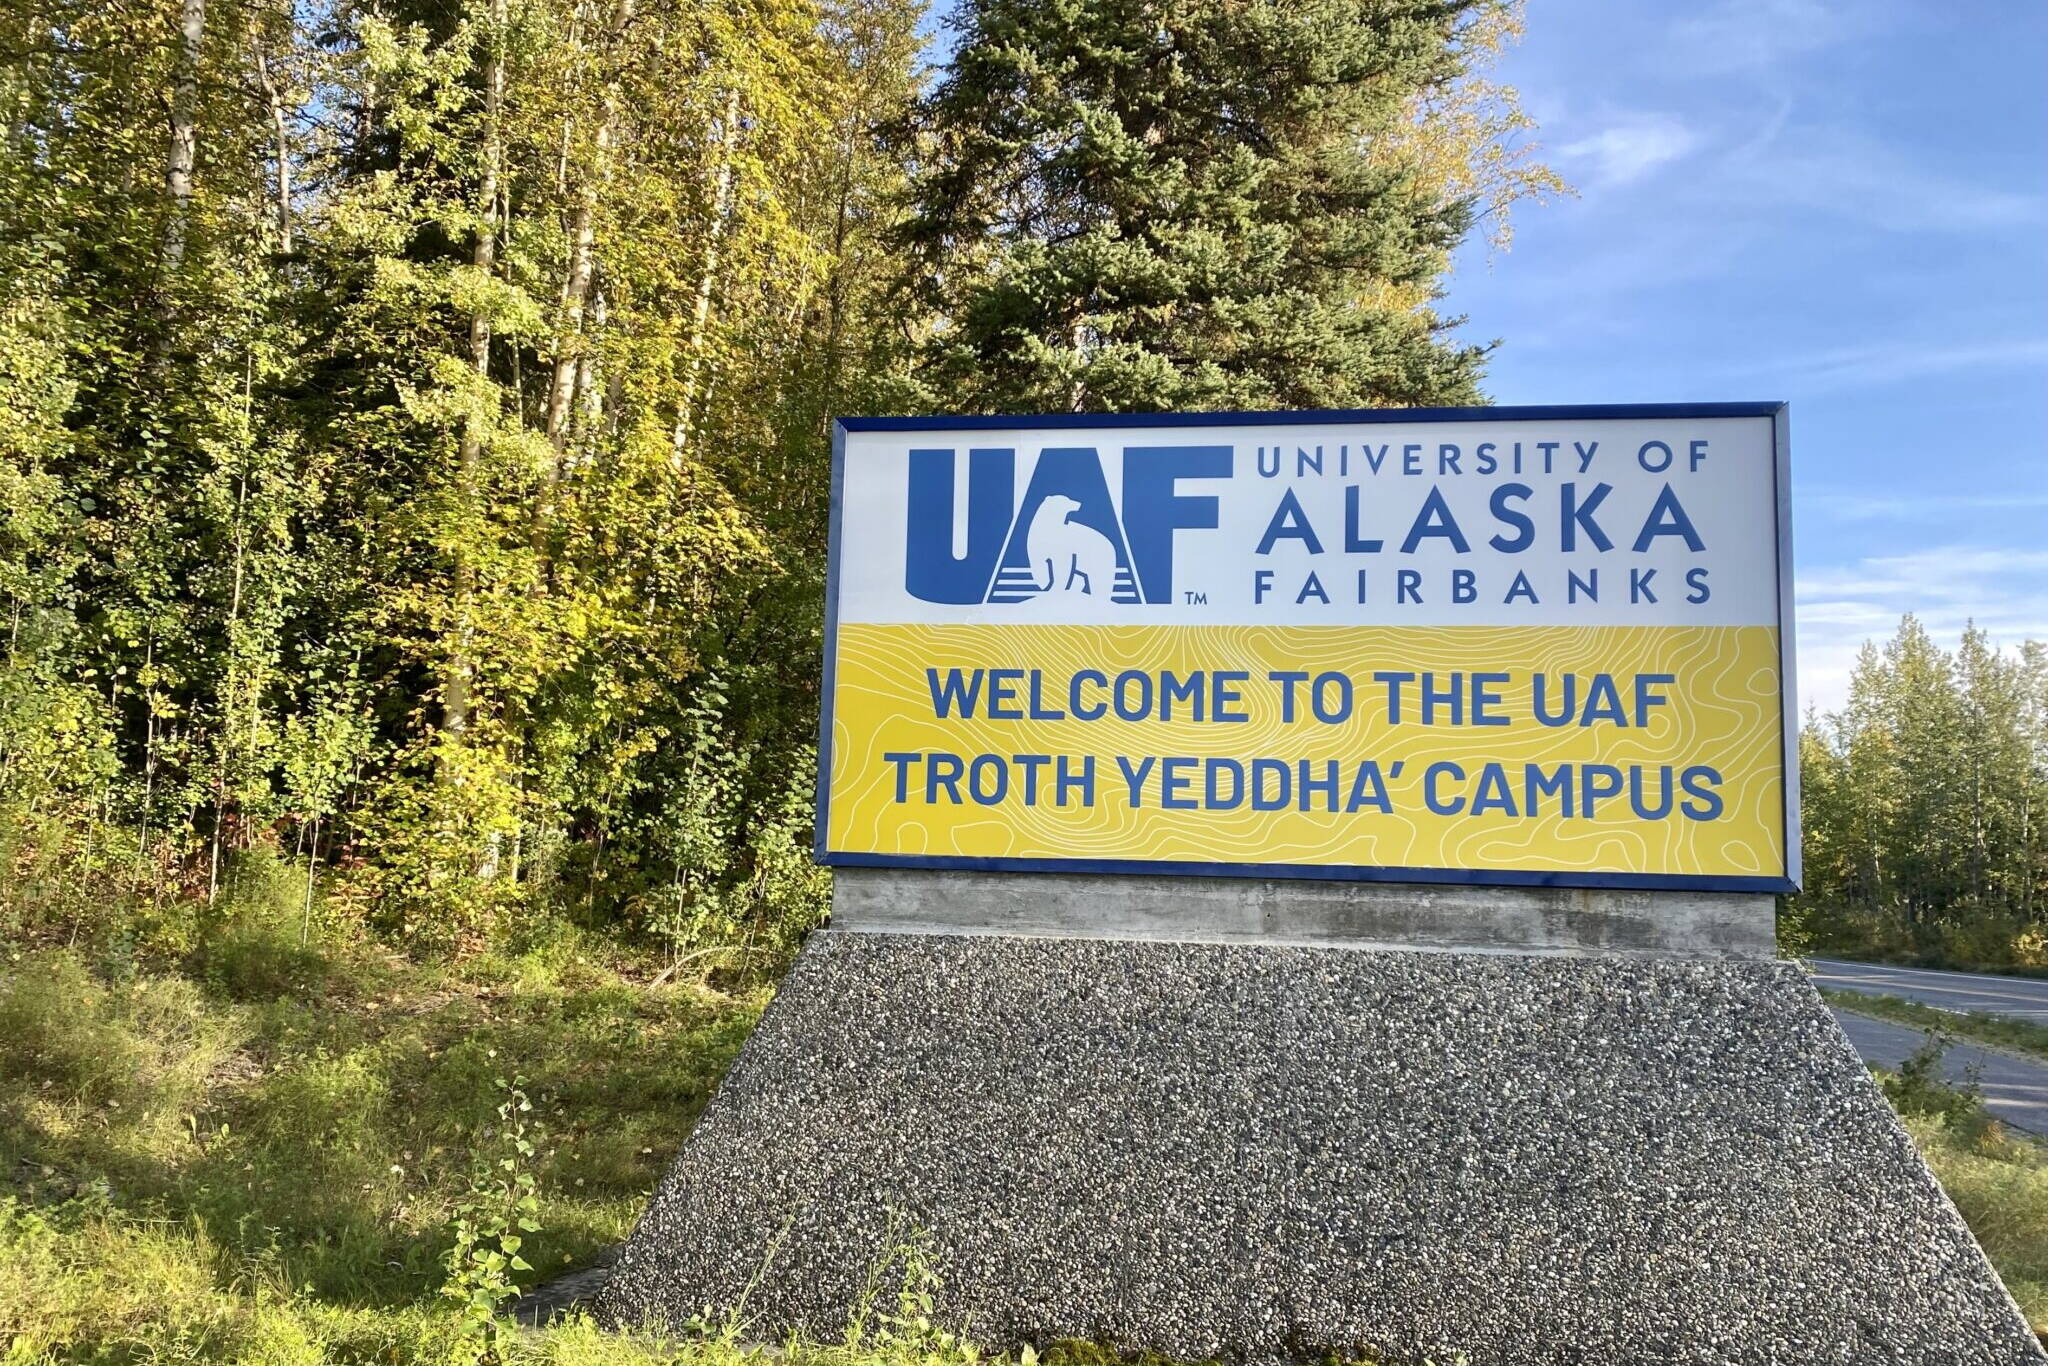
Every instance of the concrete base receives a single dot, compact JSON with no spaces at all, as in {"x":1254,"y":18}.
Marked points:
{"x":1261,"y":1153}
{"x":1306,"y":911}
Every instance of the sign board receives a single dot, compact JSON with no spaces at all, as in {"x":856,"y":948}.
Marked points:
{"x":1539,"y":646}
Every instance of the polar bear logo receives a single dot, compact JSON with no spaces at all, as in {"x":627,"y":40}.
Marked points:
{"x":1065,"y":552}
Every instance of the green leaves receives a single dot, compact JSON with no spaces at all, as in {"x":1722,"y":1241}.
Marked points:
{"x":1922,"y":801}
{"x":485,"y":1230}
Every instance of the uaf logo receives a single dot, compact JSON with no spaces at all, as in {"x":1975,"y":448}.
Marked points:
{"x":1066,"y":537}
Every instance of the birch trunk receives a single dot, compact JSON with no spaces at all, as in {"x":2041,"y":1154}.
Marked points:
{"x":572,"y":359}
{"x":280,"y":128}
{"x":707,"y":280}
{"x":455,"y":690}
{"x":571,"y":343}
{"x":590,"y":391}
{"x":184,"y":157}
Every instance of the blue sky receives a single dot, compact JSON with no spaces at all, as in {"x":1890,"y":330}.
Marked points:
{"x":1840,"y":204}
{"x":1843,"y":203}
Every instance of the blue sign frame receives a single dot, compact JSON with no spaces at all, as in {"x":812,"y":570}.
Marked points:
{"x":1777,"y":411}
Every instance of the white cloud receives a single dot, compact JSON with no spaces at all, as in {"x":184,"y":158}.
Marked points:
{"x":1729,"y":193}
{"x":1854,"y":367}
{"x":1761,"y":164}
{"x":1915,"y":507}
{"x":2005,"y":591}
{"x":1846,"y":173}
{"x":1628,"y":149}
{"x":1756,"y":35}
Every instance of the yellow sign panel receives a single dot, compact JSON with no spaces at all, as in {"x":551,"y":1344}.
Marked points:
{"x":1293,"y":660}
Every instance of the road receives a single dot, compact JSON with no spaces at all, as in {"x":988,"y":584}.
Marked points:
{"x":2023,"y":998}
{"x":2015,"y":1090}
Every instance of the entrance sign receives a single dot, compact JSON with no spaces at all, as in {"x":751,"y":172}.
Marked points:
{"x":1540,"y":646}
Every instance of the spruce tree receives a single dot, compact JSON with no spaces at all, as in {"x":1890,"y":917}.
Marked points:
{"x":1170,"y":204}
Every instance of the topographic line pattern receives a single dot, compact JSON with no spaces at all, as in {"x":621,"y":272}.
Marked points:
{"x":1723,"y":712}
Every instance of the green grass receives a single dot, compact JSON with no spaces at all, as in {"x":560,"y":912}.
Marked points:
{"x":1997,"y":1177}
{"x":1998,"y":1031}
{"x":253,"y":1156}
{"x":1999,"y":1180}
{"x":265,"y":1149}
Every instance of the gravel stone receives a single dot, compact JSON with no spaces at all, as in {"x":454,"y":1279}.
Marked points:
{"x":1263,"y":1154}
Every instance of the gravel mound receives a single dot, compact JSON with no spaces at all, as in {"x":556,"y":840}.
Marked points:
{"x":1263,"y":1154}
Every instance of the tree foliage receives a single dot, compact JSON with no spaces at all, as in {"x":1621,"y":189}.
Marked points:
{"x":1923,"y":802}
{"x":414,"y":413}
{"x":1205,"y":204}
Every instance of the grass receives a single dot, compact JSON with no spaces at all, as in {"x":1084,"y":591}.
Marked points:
{"x":1998,"y":1031}
{"x":257,"y":1158}
{"x":254,"y":1156}
{"x":1997,"y":1178}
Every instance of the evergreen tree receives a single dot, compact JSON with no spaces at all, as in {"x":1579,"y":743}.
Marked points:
{"x":1183,"y":204}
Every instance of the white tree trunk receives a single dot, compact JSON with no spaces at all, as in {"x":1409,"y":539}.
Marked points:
{"x":570,"y":342}
{"x":280,"y":128}
{"x":184,"y":157}
{"x":707,"y":279}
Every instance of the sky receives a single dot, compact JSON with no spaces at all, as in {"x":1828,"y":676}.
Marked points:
{"x":1843,"y":205}
{"x":1839,"y":203}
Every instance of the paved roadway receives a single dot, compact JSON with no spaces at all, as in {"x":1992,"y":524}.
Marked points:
{"x":2015,"y":1090}
{"x":2023,"y":998}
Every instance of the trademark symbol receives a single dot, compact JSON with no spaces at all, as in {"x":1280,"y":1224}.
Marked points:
{"x":1195,"y":599}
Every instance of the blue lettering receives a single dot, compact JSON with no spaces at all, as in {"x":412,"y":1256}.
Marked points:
{"x":1667,"y":518}
{"x":1643,"y":810}
{"x":1435,"y":520}
{"x":1082,"y":782}
{"x":903,"y":763}
{"x":1525,"y":535}
{"x":1282,"y":773}
{"x":942,"y":770}
{"x":1597,"y":782}
{"x":1443,"y":769}
{"x":1326,"y":785}
{"x":1215,"y":799}
{"x":1575,"y":516}
{"x":1153,"y":511}
{"x":1647,"y":695}
{"x":1225,"y":696}
{"x":1134,"y":779}
{"x":1493,"y":793}
{"x":1354,"y":544}
{"x":931,"y":573}
{"x":1603,"y":702}
{"x":1485,"y":698}
{"x":959,"y":690}
{"x":1699,"y":782}
{"x":1000,"y":787}
{"x":1287,"y":678}
{"x":1289,"y":523}
{"x":1031,"y":763}
{"x":1536,"y":785}
{"x":1002,"y":695}
{"x":1368,"y":789}
{"x":1082,"y":710}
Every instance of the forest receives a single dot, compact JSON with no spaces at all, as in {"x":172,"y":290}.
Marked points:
{"x":414,"y":477}
{"x":416,"y":412}
{"x":414,"y":424}
{"x":1922,"y":802}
